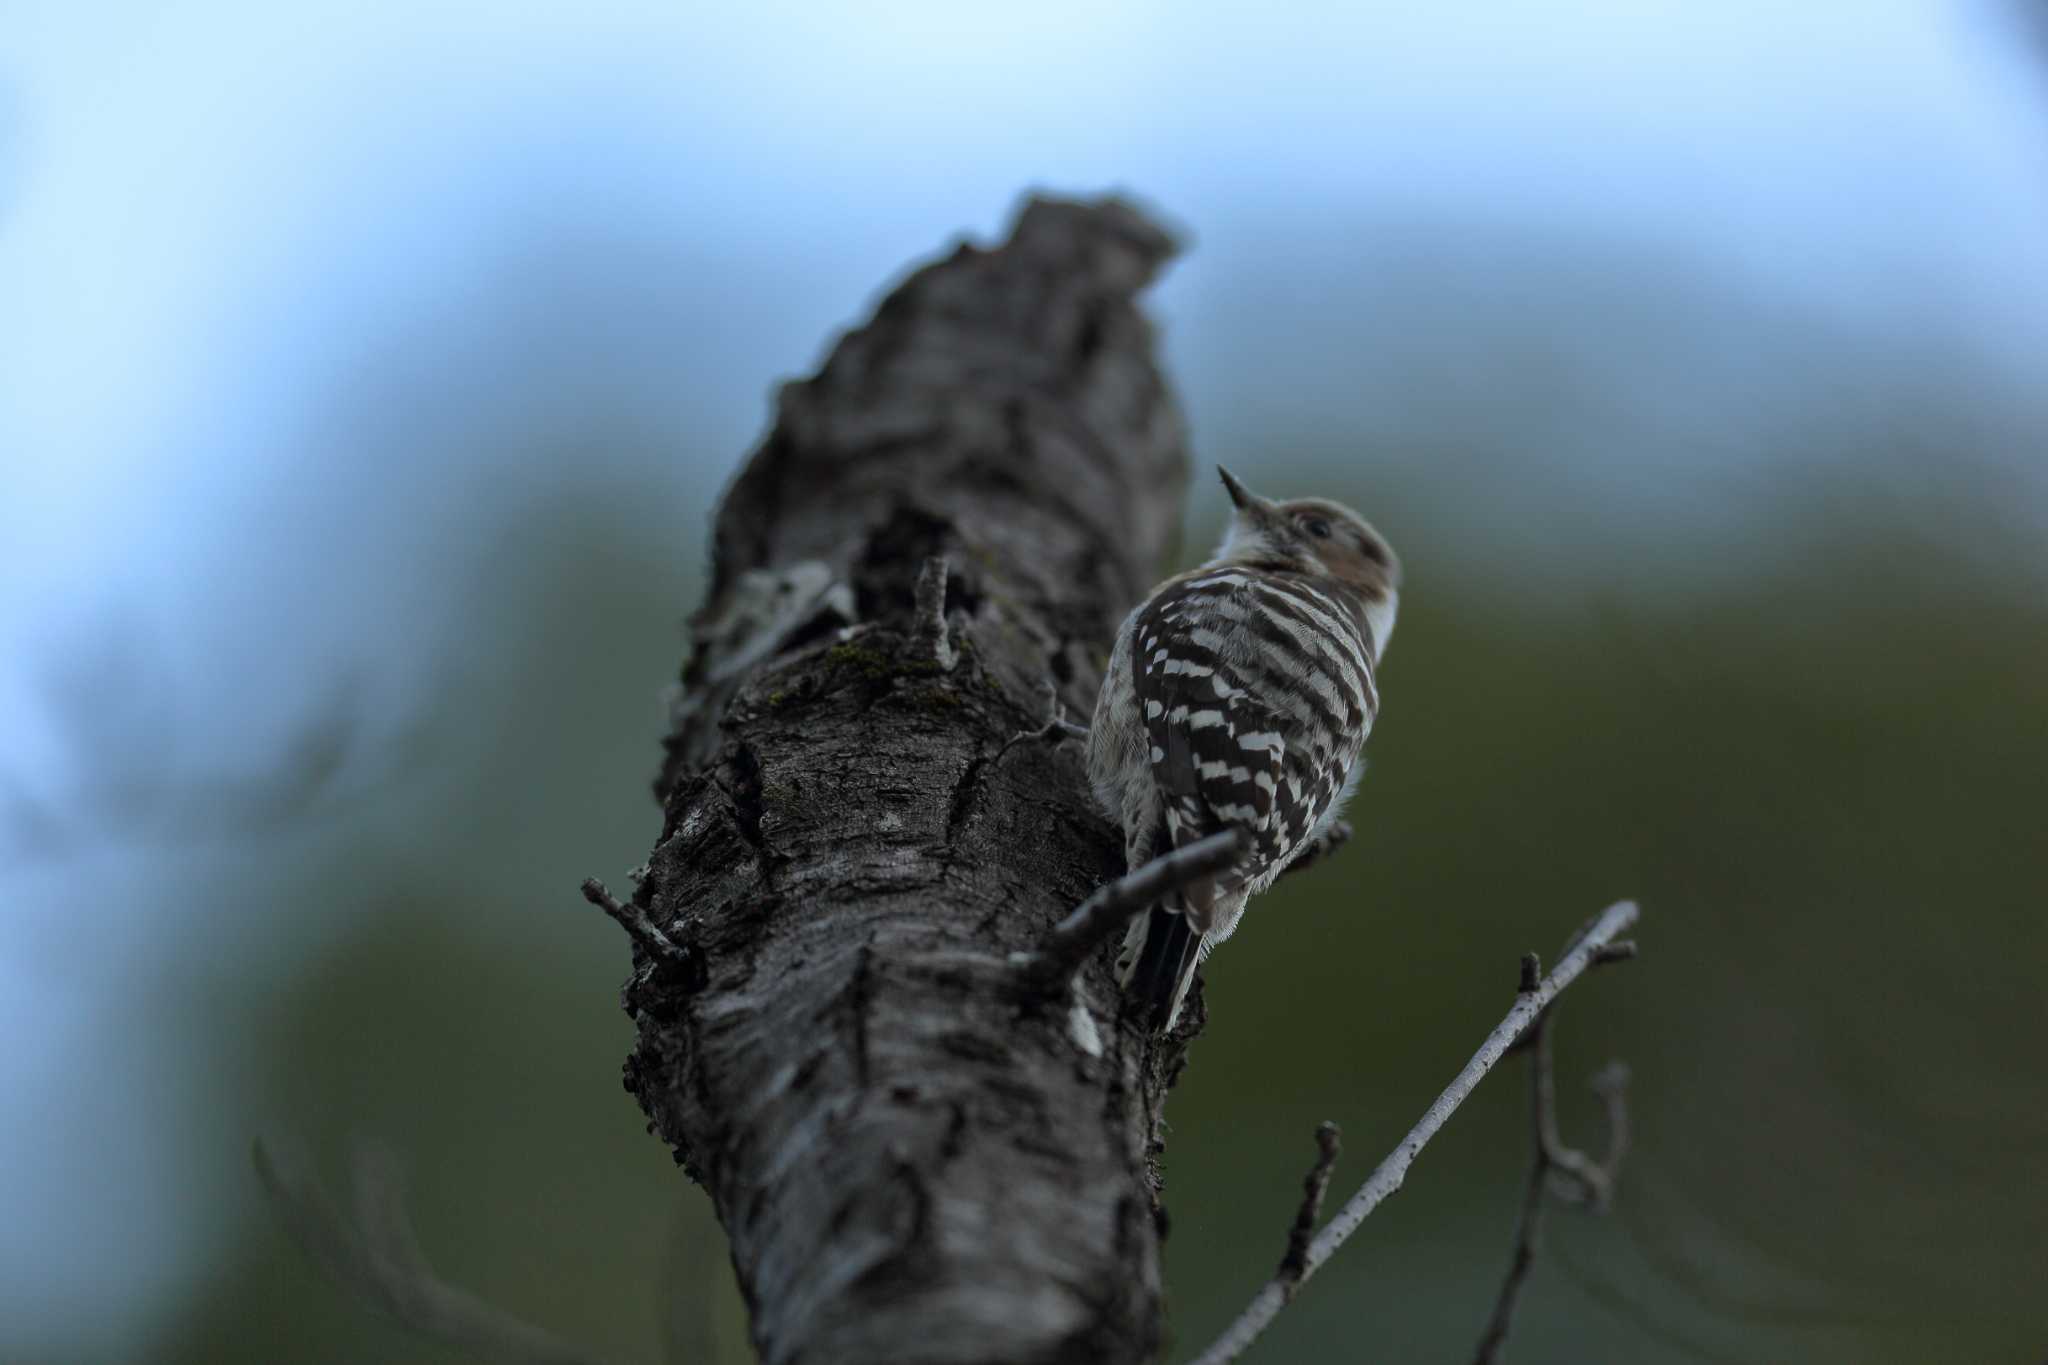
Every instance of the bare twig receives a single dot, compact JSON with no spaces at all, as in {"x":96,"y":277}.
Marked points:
{"x":1610,"y":1083}
{"x":1294,"y":1264}
{"x":1585,"y":1180}
{"x":1528,"y":1226}
{"x":931,"y":611}
{"x":1390,"y":1173}
{"x":635,"y":921}
{"x":1575,"y":1175}
{"x":1067,"y":945}
{"x":371,"y":1249}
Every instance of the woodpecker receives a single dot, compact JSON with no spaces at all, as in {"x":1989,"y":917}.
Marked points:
{"x":1239,"y":695}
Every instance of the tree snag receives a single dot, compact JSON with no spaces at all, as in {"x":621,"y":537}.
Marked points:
{"x":914,"y":1159}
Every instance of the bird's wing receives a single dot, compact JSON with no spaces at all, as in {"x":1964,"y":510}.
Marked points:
{"x":1216,"y":749}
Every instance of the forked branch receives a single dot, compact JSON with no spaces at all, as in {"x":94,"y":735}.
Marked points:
{"x":1555,"y":1170}
{"x":1389,"y":1175}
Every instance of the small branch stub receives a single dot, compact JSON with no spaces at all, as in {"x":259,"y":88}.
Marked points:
{"x":931,"y":612}
{"x":635,"y":921}
{"x":1294,"y":1264}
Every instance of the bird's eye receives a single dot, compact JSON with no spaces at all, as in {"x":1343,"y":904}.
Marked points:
{"x":1316,"y":527}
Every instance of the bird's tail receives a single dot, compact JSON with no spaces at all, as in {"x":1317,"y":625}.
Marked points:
{"x":1160,"y":953}
{"x":1163,"y":946}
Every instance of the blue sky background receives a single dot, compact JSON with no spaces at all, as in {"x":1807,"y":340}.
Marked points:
{"x":297,"y":301}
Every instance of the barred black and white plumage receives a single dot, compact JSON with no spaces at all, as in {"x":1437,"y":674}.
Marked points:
{"x":1240,"y":694}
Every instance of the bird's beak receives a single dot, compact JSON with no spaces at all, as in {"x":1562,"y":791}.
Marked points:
{"x":1242,"y":497}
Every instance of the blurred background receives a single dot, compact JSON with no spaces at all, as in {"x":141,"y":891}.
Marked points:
{"x":368,"y":376}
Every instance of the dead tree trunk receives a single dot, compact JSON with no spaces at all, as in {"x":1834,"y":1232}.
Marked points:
{"x":915,"y":1161}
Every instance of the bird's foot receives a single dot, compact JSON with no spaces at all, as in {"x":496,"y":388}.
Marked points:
{"x":1329,"y":841}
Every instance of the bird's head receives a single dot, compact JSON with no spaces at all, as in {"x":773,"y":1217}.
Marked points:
{"x":1317,"y":537}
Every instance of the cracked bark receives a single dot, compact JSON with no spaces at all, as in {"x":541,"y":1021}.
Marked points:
{"x":913,"y":1159}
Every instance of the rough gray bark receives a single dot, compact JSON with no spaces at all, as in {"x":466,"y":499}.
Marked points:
{"x":914,"y":1158}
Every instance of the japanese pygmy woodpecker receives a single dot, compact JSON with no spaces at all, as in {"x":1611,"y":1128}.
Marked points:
{"x":1240,"y":694}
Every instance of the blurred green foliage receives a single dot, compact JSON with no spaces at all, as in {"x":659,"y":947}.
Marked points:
{"x":467,"y":1013}
{"x":1824,"y":784}
{"x":1725,"y":593}
{"x":1802,"y":723}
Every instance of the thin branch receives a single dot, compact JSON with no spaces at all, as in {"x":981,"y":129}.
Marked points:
{"x":1067,"y":944}
{"x":371,"y":1250}
{"x":1390,"y":1174}
{"x":1529,"y":1221}
{"x":1610,"y":1083}
{"x":1295,"y":1263}
{"x":638,"y":925}
{"x":1583,"y":1180}
{"x":1586,"y":1180}
{"x":931,"y":611}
